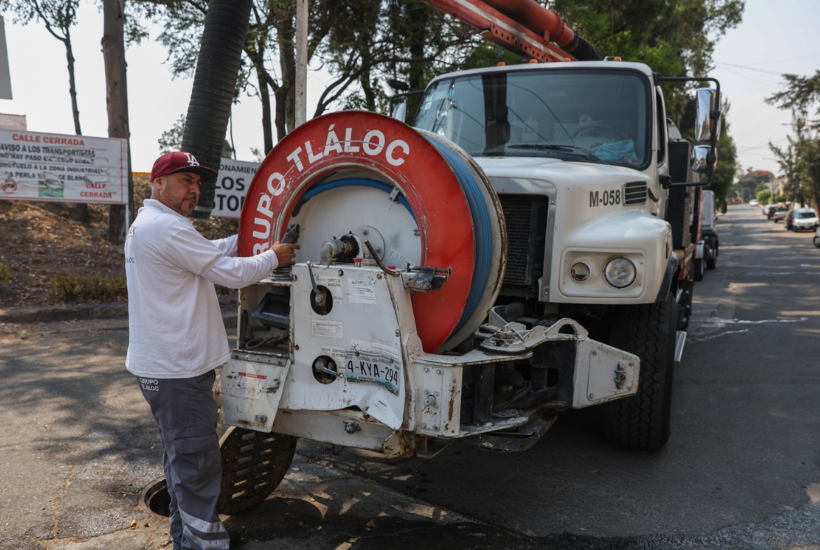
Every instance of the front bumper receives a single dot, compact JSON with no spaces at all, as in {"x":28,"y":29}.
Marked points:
{"x":375,"y":388}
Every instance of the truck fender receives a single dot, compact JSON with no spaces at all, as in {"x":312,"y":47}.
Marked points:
{"x":668,"y":278}
{"x":699,"y":250}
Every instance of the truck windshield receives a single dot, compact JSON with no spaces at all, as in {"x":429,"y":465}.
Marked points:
{"x":589,"y":115}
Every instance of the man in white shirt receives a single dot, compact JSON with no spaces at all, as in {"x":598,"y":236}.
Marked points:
{"x":177,"y":337}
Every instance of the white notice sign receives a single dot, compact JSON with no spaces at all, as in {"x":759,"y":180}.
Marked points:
{"x":62,"y":168}
{"x":327,"y":329}
{"x":232,"y":185}
{"x":361,"y":292}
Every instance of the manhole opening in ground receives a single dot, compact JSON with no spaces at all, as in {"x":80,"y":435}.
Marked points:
{"x":155,"y":498}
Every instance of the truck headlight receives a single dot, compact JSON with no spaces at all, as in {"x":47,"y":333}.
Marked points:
{"x":620,"y":272}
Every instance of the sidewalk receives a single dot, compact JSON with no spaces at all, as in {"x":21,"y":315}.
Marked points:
{"x":79,"y":447}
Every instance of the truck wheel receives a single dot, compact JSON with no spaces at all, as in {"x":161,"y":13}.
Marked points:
{"x":711,"y":259}
{"x":642,"y":421}
{"x":253,"y":465}
{"x":698,"y":267}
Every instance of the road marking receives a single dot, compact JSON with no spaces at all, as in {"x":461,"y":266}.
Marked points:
{"x":718,"y":323}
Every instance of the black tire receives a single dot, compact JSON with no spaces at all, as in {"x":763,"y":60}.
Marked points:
{"x":699,"y":267}
{"x":643,"y":421}
{"x":247,"y":483}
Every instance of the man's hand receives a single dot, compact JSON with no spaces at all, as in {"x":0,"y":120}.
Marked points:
{"x":285,"y":252}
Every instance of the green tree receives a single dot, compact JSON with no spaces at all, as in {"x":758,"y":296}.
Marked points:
{"x":808,"y":166}
{"x":802,"y":98}
{"x":368,"y":43}
{"x":787,"y":160}
{"x":269,"y":66}
{"x":674,"y":37}
{"x":405,"y":42}
{"x":171,"y":139}
{"x":751,"y":182}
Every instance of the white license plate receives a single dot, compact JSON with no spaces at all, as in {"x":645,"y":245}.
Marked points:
{"x":368,"y":367}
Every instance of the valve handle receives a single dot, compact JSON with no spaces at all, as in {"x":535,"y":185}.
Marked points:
{"x":318,"y":295}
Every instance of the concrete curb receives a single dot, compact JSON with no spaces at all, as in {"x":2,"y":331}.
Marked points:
{"x":79,"y":312}
{"x":63,"y":313}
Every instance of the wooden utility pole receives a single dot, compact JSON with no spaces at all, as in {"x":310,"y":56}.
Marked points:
{"x":113,"y":46}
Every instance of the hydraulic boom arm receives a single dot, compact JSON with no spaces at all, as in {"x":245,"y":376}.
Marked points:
{"x":523,"y":26}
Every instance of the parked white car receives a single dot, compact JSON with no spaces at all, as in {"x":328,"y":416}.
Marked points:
{"x":805,"y":218}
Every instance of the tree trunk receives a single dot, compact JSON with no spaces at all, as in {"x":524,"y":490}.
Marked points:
{"x":113,"y":46}
{"x":416,"y":70}
{"x":365,"y":79}
{"x":72,"y":84}
{"x":264,"y":97}
{"x":79,"y":211}
{"x":287,"y":62}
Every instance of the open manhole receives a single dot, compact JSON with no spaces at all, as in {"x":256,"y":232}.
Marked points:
{"x":155,"y":498}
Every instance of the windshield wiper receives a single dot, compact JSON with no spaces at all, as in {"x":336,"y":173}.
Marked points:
{"x":572,"y":149}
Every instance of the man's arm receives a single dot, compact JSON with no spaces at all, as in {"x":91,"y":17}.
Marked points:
{"x":193,"y":252}
{"x":229,"y":245}
{"x":240,"y":272}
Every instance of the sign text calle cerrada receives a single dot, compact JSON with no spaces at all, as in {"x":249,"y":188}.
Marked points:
{"x":62,"y":168}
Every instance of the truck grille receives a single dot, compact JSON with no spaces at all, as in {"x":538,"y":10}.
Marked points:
{"x":635,"y":192}
{"x":526,"y":219}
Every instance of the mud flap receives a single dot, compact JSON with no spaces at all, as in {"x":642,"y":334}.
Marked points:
{"x":249,"y":392}
{"x":603,"y":373}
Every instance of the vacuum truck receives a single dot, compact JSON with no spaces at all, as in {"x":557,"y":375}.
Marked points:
{"x":524,"y":246}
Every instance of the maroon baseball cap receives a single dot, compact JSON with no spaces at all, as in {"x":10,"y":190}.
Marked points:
{"x":179,"y":161}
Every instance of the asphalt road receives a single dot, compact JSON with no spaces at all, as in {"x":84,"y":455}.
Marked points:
{"x":741,"y":470}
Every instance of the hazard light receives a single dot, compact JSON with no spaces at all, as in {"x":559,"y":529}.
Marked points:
{"x":580,"y":272}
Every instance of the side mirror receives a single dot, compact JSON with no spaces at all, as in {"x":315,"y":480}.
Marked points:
{"x":400,"y":112}
{"x":707,"y":119}
{"x":702,"y":159}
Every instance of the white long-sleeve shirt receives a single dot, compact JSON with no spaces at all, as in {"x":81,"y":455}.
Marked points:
{"x":175,"y":322}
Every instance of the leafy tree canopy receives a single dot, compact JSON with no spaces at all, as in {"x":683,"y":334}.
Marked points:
{"x":801,"y":157}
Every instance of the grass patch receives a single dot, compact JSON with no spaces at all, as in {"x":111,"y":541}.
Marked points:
{"x":5,"y":274}
{"x":74,"y":288}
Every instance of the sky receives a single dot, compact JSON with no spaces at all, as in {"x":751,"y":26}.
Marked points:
{"x":774,"y":38}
